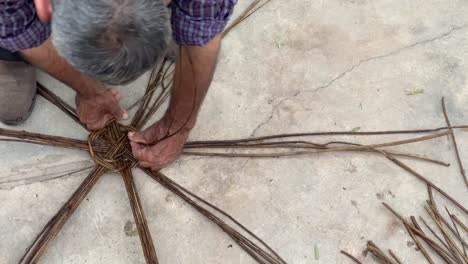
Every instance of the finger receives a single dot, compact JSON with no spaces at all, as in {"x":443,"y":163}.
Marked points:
{"x":156,"y":168}
{"x":124,"y":114}
{"x":119,"y":112}
{"x":100,"y":123}
{"x":94,"y":126}
{"x":114,"y":91}
{"x":162,"y":162}
{"x":150,"y":135}
{"x":146,"y":136}
{"x":141,"y":153}
{"x":117,"y":95}
{"x":145,"y":164}
{"x":159,"y":165}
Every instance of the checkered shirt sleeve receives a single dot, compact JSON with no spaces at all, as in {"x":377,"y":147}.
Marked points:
{"x":197,"y":22}
{"x":20,"y":28}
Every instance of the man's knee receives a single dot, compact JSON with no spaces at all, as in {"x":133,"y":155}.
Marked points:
{"x":17,"y":91}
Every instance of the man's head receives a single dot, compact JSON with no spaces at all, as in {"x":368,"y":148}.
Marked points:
{"x":113,"y":41}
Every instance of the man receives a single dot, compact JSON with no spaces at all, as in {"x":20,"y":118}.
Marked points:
{"x":88,"y":44}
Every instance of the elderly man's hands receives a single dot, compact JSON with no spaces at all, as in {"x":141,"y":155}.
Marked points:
{"x":97,"y":109}
{"x":156,"y":147}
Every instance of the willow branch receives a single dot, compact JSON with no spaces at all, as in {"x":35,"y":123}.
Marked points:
{"x":60,"y":104}
{"x":378,"y":253}
{"x":140,"y":220}
{"x":418,"y":244}
{"x":350,"y":256}
{"x":53,"y":227}
{"x":437,"y":248}
{"x":452,"y":135}
{"x":425,"y":180}
{"x":331,"y":133}
{"x":395,"y":257}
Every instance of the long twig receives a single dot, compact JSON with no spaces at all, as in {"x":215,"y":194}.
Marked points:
{"x":395,"y":257}
{"x":452,"y":135}
{"x":372,"y":146}
{"x":463,"y":243}
{"x":460,"y":223}
{"x":350,"y":256}
{"x":428,"y":182}
{"x":296,"y":153}
{"x":329,"y":133}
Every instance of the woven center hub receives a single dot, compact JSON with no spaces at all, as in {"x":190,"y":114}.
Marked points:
{"x":110,"y":147}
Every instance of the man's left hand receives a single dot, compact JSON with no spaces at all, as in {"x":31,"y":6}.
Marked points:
{"x":153,"y":149}
{"x":163,"y":142}
{"x":98,"y":109}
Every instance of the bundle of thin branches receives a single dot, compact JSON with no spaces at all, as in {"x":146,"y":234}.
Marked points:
{"x":444,"y":242}
{"x":392,"y":258}
{"x":447,"y":242}
{"x":452,"y":248}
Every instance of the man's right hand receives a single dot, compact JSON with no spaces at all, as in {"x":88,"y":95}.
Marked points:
{"x":98,"y":109}
{"x":96,"y":104}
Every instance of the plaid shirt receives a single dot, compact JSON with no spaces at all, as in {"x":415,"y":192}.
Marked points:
{"x":19,"y":26}
{"x":194,"y":22}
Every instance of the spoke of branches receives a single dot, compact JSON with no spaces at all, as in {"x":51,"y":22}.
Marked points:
{"x":53,"y":227}
{"x":140,"y":219}
{"x":267,"y":255}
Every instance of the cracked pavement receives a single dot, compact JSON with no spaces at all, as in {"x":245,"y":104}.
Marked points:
{"x":353,"y":67}
{"x":292,"y":67}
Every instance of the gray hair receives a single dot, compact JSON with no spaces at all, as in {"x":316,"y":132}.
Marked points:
{"x":113,"y":41}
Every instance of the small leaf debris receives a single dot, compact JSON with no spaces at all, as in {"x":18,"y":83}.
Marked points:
{"x":414,"y":91}
{"x":316,"y":252}
{"x":356,"y":129}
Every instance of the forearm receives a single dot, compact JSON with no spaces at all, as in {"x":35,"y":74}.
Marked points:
{"x":46,"y":58}
{"x":194,"y":71}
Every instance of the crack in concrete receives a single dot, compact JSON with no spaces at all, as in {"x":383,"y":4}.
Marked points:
{"x":355,"y":66}
{"x":389,"y":54}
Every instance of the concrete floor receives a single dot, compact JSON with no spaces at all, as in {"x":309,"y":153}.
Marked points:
{"x":294,"y":66}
